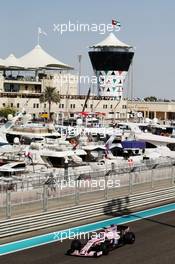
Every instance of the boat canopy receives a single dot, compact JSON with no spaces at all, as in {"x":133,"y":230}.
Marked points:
{"x":133,"y":144}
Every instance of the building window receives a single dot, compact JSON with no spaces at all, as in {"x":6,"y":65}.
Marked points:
{"x":91,"y":106}
{"x":44,"y":105}
{"x":37,"y":89}
{"x":11,"y":87}
{"x":111,"y":106}
{"x":33,"y":105}
{"x":151,"y":114}
{"x":17,"y":105}
{"x":37,"y":105}
{"x":26,"y":87}
{"x":61,"y":106}
{"x":11,"y":104}
{"x":72,"y":106}
{"x":122,"y":115}
{"x":105,"y":106}
{"x":124,"y":106}
{"x":3,"y":104}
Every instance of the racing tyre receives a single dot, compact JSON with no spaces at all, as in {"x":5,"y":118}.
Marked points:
{"x":70,"y":251}
{"x":76,"y":245}
{"x":95,"y":255}
{"x":104,"y":248}
{"x":129,"y":238}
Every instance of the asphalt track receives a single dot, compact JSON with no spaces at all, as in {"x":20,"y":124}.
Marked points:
{"x":155,"y":244}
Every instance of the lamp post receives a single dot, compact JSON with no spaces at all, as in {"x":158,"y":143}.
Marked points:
{"x":79,"y":73}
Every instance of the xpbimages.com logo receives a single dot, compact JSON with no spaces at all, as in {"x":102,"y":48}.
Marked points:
{"x":102,"y":28}
{"x":100,"y":184}
{"x":69,"y":234}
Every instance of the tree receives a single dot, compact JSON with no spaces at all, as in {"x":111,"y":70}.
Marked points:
{"x":5,"y":111}
{"x":150,"y":99}
{"x":50,"y":96}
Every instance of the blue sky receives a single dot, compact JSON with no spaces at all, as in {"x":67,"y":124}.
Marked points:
{"x":147,"y":25}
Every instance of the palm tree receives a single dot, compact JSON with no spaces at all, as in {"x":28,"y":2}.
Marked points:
{"x":50,"y":96}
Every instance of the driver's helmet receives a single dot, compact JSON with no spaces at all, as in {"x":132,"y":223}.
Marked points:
{"x":114,"y":227}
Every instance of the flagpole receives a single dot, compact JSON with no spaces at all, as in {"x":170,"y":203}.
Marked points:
{"x":40,"y":31}
{"x":38,"y":39}
{"x":79,"y":73}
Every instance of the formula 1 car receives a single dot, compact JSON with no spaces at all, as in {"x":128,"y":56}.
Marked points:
{"x":104,"y":241}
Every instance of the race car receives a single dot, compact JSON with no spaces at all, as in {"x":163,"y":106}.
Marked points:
{"x":102,"y":242}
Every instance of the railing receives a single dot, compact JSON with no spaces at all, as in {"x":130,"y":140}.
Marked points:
{"x":123,"y":205}
{"x":38,"y":94}
{"x":41,"y":193}
{"x":22,"y":78}
{"x":30,"y":94}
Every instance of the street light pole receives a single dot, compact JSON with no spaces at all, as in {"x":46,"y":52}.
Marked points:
{"x":79,"y":73}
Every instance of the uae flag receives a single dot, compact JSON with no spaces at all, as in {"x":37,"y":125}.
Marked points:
{"x":116,"y":23}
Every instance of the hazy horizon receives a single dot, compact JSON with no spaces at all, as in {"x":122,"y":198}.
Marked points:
{"x":146,"y":25}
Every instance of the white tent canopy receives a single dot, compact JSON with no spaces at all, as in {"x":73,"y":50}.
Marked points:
{"x":111,"y":41}
{"x":2,"y":63}
{"x":38,"y":58}
{"x":12,"y":61}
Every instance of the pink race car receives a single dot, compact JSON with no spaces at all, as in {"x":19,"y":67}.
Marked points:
{"x":102,"y":242}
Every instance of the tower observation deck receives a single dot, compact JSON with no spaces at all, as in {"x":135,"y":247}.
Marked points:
{"x":111,"y":60}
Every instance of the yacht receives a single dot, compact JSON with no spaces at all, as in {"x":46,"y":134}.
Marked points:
{"x":31,"y":132}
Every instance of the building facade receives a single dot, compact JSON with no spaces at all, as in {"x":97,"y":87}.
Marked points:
{"x":23,"y":80}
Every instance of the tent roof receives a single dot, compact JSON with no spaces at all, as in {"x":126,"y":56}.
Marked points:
{"x":12,"y":61}
{"x":111,"y":41}
{"x":2,"y":63}
{"x":38,"y":58}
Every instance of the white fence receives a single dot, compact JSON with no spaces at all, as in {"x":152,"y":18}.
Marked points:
{"x":40,"y":194}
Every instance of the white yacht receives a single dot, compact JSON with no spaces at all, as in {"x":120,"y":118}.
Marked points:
{"x":31,"y":132}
